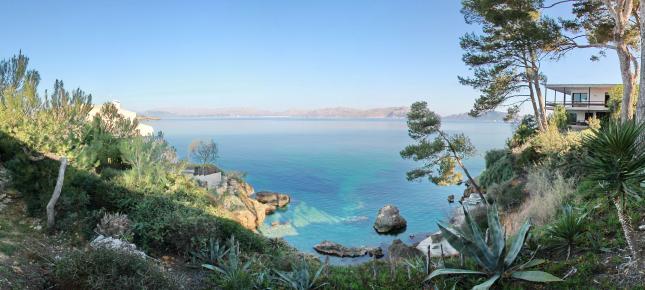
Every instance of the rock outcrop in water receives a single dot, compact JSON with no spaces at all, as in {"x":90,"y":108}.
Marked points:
{"x":235,"y":202}
{"x":335,"y":249}
{"x":389,"y":220}
{"x":274,"y":199}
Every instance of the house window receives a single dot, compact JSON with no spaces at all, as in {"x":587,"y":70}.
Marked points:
{"x":579,"y":97}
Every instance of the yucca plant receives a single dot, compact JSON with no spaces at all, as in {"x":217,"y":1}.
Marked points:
{"x":301,"y":278}
{"x":615,"y":160}
{"x":494,"y":257}
{"x":567,"y":230}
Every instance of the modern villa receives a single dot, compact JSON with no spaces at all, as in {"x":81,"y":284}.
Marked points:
{"x":582,"y":101}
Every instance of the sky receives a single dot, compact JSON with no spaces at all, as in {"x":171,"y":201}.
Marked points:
{"x":262,"y":54}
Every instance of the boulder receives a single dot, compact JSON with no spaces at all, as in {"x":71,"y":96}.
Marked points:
{"x":338,"y":250}
{"x":451,"y":198}
{"x":399,"y":250}
{"x":389,"y":220}
{"x":116,"y":244}
{"x":437,"y":246}
{"x":273,"y":198}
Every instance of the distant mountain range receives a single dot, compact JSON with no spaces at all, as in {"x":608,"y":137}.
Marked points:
{"x":490,"y":116}
{"x":336,"y":112}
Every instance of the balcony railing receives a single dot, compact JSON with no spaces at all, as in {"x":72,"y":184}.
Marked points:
{"x":581,"y":104}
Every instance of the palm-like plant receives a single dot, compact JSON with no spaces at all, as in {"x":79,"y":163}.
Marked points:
{"x":493,"y":256}
{"x":567,"y":230}
{"x":616,"y":161}
{"x":300,"y":278}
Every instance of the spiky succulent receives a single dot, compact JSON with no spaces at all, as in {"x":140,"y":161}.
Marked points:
{"x":494,"y":257}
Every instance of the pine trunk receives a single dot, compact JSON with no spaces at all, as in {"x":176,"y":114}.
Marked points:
{"x":57,"y":189}
{"x":627,"y":228}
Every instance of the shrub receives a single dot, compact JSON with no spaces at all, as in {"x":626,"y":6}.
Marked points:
{"x":108,"y":269}
{"x":568,"y":229}
{"x":551,"y":142}
{"x":508,"y":194}
{"x":301,"y":278}
{"x":547,"y":189}
{"x":559,"y":118}
{"x":161,"y":224}
{"x":115,"y":225}
{"x":525,"y":130}
{"x":499,"y":168}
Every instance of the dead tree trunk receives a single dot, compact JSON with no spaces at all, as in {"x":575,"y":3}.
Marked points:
{"x":59,"y":186}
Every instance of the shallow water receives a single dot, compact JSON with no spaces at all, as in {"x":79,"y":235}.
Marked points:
{"x":338,"y":172}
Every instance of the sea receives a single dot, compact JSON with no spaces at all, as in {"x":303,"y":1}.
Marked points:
{"x":338,"y":172}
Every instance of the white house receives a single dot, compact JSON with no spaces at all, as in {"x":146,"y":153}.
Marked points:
{"x":144,"y":130}
{"x":582,"y":101}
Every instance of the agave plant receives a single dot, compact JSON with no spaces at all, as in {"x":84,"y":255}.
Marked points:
{"x":300,"y":278}
{"x":233,"y":273}
{"x":567,"y":230}
{"x":212,"y":254}
{"x":494,"y":256}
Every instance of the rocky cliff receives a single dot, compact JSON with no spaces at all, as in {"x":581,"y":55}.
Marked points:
{"x":235,"y":202}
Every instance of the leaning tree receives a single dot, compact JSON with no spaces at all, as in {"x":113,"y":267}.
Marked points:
{"x":439,"y":151}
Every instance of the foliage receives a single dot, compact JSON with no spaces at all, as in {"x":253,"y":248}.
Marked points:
{"x":108,"y":269}
{"x":508,"y":194}
{"x":109,"y":120}
{"x":567,"y":230}
{"x":499,"y":168}
{"x":203,"y":151}
{"x":151,"y":158}
{"x":301,"y":278}
{"x":439,"y":155}
{"x":115,"y":225}
{"x":553,"y":143}
{"x":615,"y":160}
{"x":233,"y":272}
{"x":211,"y":254}
{"x":616,"y":100}
{"x":559,"y":118}
{"x":526,"y":129}
{"x":547,"y":189}
{"x":495,"y":257}
{"x":163,"y":224}
{"x":506,"y":56}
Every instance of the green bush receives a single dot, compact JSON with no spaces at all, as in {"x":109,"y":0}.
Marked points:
{"x":507,"y":194}
{"x":161,"y":224}
{"x":525,"y":130}
{"x":499,"y":168}
{"x":108,"y":269}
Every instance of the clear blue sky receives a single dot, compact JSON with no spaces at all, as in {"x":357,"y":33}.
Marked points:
{"x":263,"y":54}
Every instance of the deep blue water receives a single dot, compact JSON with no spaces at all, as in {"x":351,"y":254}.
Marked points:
{"x":337,"y":172}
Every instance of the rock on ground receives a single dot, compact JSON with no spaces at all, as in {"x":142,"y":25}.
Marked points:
{"x":116,"y":244}
{"x":435,"y":243}
{"x":389,"y":220}
{"x":399,"y":250}
{"x":338,"y":250}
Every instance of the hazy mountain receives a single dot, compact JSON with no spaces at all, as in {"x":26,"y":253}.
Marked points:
{"x":337,"y":112}
{"x":490,"y":116}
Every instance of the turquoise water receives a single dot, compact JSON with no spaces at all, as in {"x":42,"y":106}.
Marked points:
{"x":337,"y":172}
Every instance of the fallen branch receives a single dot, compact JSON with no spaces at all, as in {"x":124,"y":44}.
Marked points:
{"x":59,"y":186}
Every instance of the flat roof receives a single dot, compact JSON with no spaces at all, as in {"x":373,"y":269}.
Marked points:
{"x":565,"y":88}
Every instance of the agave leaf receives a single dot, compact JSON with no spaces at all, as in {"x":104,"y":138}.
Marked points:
{"x":535,"y":276}
{"x":487,"y":283}
{"x":214,"y":268}
{"x":531,"y":263}
{"x":479,"y":241}
{"x":449,"y":271}
{"x":497,"y":236}
{"x":517,"y":244}
{"x":461,"y":243}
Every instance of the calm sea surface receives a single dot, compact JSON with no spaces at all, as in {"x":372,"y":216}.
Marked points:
{"x":337,"y":172}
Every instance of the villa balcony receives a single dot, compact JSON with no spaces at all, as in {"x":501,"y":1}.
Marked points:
{"x":581,"y":104}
